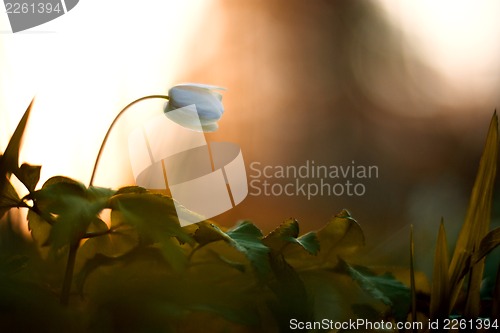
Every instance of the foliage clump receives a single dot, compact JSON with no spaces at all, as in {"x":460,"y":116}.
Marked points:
{"x":140,"y":271}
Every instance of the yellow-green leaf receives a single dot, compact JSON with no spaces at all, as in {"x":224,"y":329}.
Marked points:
{"x":488,"y":244}
{"x":287,"y":234}
{"x":475,"y":226}
{"x":439,"y":306}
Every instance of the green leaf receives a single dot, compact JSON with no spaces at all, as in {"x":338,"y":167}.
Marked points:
{"x":8,"y":198}
{"x":439,"y":306}
{"x":70,"y":208}
{"x":40,"y":228}
{"x":476,"y":225}
{"x":309,"y":242}
{"x":384,"y":288}
{"x":208,"y":232}
{"x":291,"y":294}
{"x":154,"y":216}
{"x":287,"y":233}
{"x":247,"y":238}
{"x":73,"y":220}
{"x":488,"y":244}
{"x":29,"y":175}
{"x":131,"y":189}
{"x":10,"y":159}
{"x":111,"y":243}
{"x":342,"y":235}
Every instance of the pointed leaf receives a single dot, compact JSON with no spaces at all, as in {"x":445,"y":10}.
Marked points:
{"x":209,"y":232}
{"x":342,"y":235}
{"x":29,"y":175}
{"x":476,"y":225}
{"x":8,"y":198}
{"x":488,"y":244}
{"x":309,"y":242}
{"x":247,"y":238}
{"x":287,"y":233}
{"x":439,"y":306}
{"x":10,"y":159}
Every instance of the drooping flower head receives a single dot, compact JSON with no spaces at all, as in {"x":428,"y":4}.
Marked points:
{"x":207,"y":101}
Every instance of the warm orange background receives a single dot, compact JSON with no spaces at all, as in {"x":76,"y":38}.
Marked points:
{"x":407,"y":86}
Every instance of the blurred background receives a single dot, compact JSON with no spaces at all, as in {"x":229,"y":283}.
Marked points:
{"x":407,"y":86}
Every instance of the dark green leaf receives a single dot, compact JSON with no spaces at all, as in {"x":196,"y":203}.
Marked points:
{"x":384,"y":288}
{"x":488,"y":244}
{"x":8,"y":198}
{"x":74,"y":217}
{"x":69,"y":207}
{"x":291,"y":294}
{"x":309,"y":242}
{"x":29,"y":175}
{"x":247,"y":238}
{"x":287,"y":233}
{"x":131,"y":189}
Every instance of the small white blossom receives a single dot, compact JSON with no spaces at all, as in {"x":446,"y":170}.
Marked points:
{"x":208,"y":102}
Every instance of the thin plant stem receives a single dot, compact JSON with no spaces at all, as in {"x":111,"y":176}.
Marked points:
{"x":111,"y":127}
{"x":73,"y":249}
{"x":68,"y":275}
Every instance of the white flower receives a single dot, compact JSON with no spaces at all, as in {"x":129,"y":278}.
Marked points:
{"x":208,"y":102}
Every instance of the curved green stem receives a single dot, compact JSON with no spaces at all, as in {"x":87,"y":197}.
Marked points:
{"x":111,"y":127}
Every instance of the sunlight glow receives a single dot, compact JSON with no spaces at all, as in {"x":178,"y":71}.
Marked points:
{"x":83,"y":68}
{"x":457,"y":38}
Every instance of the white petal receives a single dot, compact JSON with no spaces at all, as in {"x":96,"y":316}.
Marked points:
{"x":200,"y":85}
